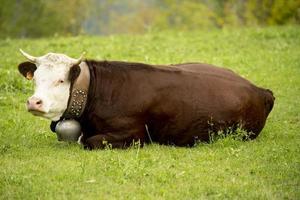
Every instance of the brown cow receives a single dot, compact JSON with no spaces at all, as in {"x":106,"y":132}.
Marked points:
{"x":126,"y":102}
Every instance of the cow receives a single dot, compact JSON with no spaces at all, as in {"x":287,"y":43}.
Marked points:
{"x":118,"y":103}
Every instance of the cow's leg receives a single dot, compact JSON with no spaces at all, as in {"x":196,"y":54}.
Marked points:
{"x":122,"y":139}
{"x":101,"y":141}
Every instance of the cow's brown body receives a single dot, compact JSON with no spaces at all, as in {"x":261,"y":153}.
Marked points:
{"x":179,"y":104}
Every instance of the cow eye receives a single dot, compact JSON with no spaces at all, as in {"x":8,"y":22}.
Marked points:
{"x":58,"y":82}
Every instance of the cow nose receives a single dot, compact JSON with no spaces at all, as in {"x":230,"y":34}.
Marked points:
{"x":34,"y":103}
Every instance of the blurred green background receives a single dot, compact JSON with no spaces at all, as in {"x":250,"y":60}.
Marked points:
{"x":44,"y":18}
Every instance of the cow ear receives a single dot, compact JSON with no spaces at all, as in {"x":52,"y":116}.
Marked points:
{"x":74,"y":73}
{"x":27,"y":69}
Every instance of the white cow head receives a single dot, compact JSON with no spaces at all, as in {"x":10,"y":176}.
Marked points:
{"x":52,"y":74}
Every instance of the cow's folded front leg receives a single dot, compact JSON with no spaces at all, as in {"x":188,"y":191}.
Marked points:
{"x":102,"y":141}
{"x":114,"y":140}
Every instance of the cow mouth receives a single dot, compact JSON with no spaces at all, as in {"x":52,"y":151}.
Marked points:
{"x":47,"y":115}
{"x":37,"y":112}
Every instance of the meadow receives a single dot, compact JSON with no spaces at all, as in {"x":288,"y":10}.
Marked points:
{"x":34,"y":165}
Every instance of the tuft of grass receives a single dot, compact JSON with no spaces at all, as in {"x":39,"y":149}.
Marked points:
{"x":230,"y":133}
{"x":34,"y":165}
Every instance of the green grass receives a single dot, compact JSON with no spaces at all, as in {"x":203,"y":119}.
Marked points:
{"x":34,"y":165}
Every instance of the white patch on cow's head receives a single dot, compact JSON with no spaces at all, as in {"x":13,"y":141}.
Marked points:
{"x":52,"y":85}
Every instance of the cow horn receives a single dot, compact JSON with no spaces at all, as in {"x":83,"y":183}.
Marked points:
{"x":29,"y":57}
{"x":78,"y":61}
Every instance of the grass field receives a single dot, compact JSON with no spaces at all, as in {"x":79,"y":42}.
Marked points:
{"x":34,"y":165}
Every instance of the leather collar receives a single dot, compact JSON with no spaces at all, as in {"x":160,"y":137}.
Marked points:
{"x":78,"y":93}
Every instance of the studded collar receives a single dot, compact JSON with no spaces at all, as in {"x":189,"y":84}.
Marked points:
{"x":78,"y":93}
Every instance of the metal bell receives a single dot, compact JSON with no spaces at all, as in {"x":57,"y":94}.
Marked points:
{"x":68,"y":130}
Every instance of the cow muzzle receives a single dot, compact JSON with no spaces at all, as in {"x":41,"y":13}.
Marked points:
{"x":35,"y":105}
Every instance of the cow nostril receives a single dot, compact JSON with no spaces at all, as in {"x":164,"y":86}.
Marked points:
{"x":39,"y":102}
